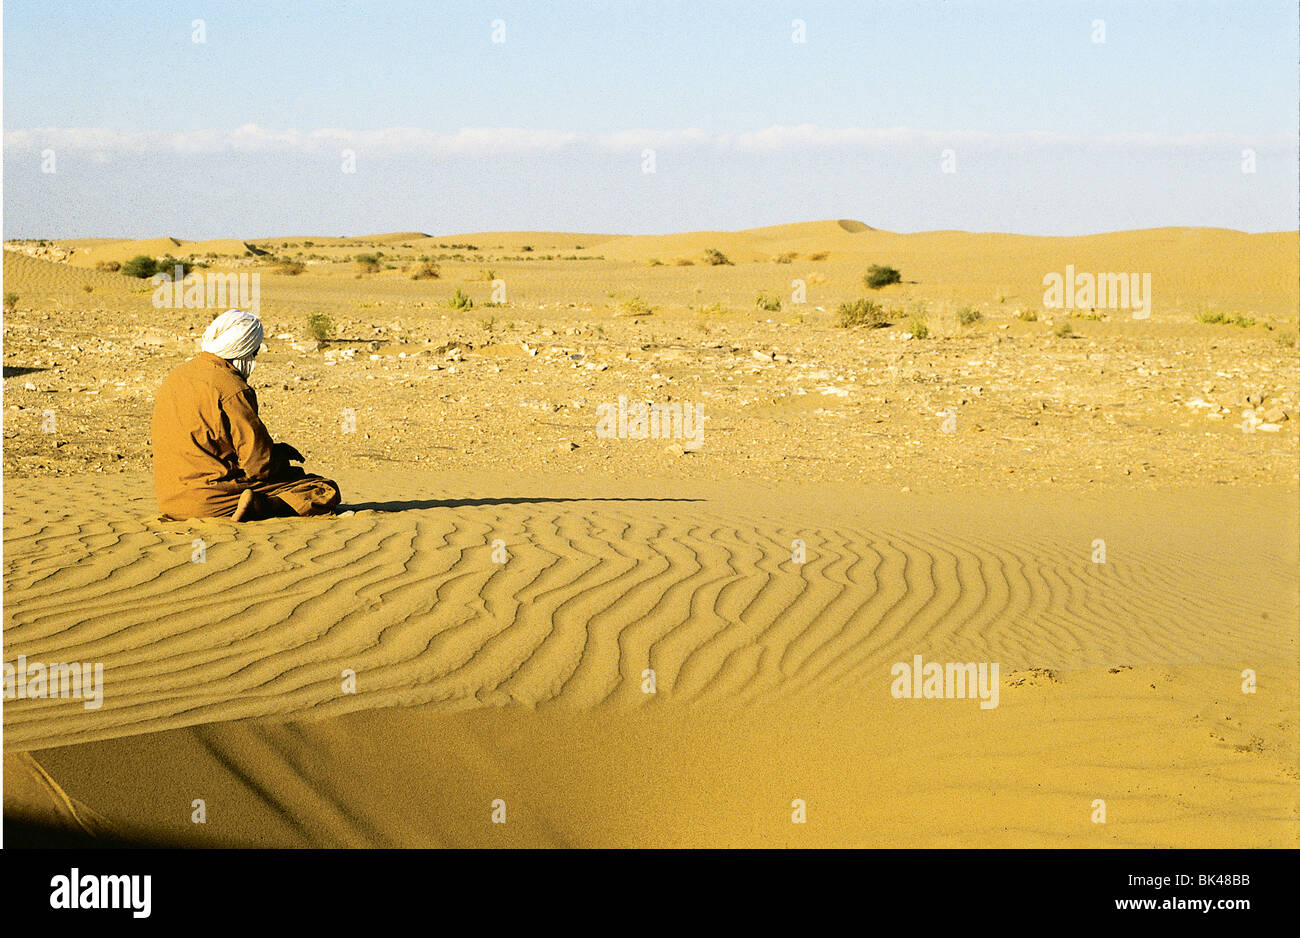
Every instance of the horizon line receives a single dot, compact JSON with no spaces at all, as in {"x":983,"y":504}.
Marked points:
{"x":655,"y":234}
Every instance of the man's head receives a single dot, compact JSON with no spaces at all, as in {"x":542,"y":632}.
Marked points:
{"x":235,"y":336}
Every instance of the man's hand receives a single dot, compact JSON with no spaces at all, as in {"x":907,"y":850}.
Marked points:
{"x":286,"y":452}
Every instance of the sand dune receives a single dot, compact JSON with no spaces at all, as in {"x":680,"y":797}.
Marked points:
{"x":1187,"y":265}
{"x":34,"y":275}
{"x":1190,"y":268}
{"x":698,"y":586}
{"x":34,"y":797}
{"x":123,"y":251}
{"x":1173,"y":769}
{"x":592,"y":594}
{"x":219,"y":246}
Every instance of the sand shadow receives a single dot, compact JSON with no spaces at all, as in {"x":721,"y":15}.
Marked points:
{"x":416,"y":504}
{"x":17,"y":371}
{"x":32,"y":834}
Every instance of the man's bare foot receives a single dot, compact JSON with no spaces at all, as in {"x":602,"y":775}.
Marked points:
{"x":248,"y":507}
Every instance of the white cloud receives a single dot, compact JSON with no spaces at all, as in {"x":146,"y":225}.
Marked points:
{"x":397,"y":141}
{"x":624,"y":140}
{"x":251,"y":138}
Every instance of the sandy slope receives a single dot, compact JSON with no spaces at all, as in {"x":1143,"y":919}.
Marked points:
{"x":1175,"y":768}
{"x":523,"y":680}
{"x":25,"y":274}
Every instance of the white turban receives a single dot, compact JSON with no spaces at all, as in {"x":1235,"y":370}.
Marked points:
{"x":235,"y":336}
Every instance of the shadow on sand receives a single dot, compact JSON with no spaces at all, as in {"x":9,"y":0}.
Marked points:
{"x":418,"y":503}
{"x":25,"y":833}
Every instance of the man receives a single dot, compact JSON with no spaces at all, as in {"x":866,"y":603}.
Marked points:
{"x":212,"y":457}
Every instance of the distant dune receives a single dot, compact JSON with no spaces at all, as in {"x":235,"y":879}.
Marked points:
{"x":1216,"y":267}
{"x":103,"y":251}
{"x":28,"y":275}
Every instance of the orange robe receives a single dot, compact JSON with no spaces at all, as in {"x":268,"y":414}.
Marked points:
{"x":209,"y":445}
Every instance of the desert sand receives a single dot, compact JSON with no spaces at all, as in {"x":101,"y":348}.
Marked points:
{"x":630,"y":642}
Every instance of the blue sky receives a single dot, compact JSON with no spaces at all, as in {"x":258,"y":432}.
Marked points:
{"x":245,"y":133}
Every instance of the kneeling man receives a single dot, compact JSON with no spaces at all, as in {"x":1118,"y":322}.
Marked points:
{"x":212,"y":457}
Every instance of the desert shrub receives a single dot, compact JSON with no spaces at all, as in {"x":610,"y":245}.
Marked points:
{"x":819,"y":256}
{"x":142,"y":266}
{"x":716,"y":258}
{"x":111,"y":266}
{"x":768,"y":302}
{"x":489,"y":274}
{"x":459,"y":300}
{"x":1225,"y":319}
{"x":88,"y":287}
{"x":636,"y":307}
{"x":656,"y":262}
{"x":918,"y":328}
{"x":320,"y":326}
{"x":684,"y":262}
{"x":368,"y":263}
{"x":11,"y":300}
{"x":427,"y":270}
{"x":289,"y":267}
{"x":1065,"y":330}
{"x":1027,"y":315}
{"x":1287,"y":339}
{"x":877,"y":276}
{"x":969,"y":314}
{"x":861,"y":313}
{"x":168,"y":264}
{"x":529,"y":247}
{"x":786,"y":257}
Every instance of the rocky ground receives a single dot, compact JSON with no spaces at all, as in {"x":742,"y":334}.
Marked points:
{"x":1000,"y":402}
